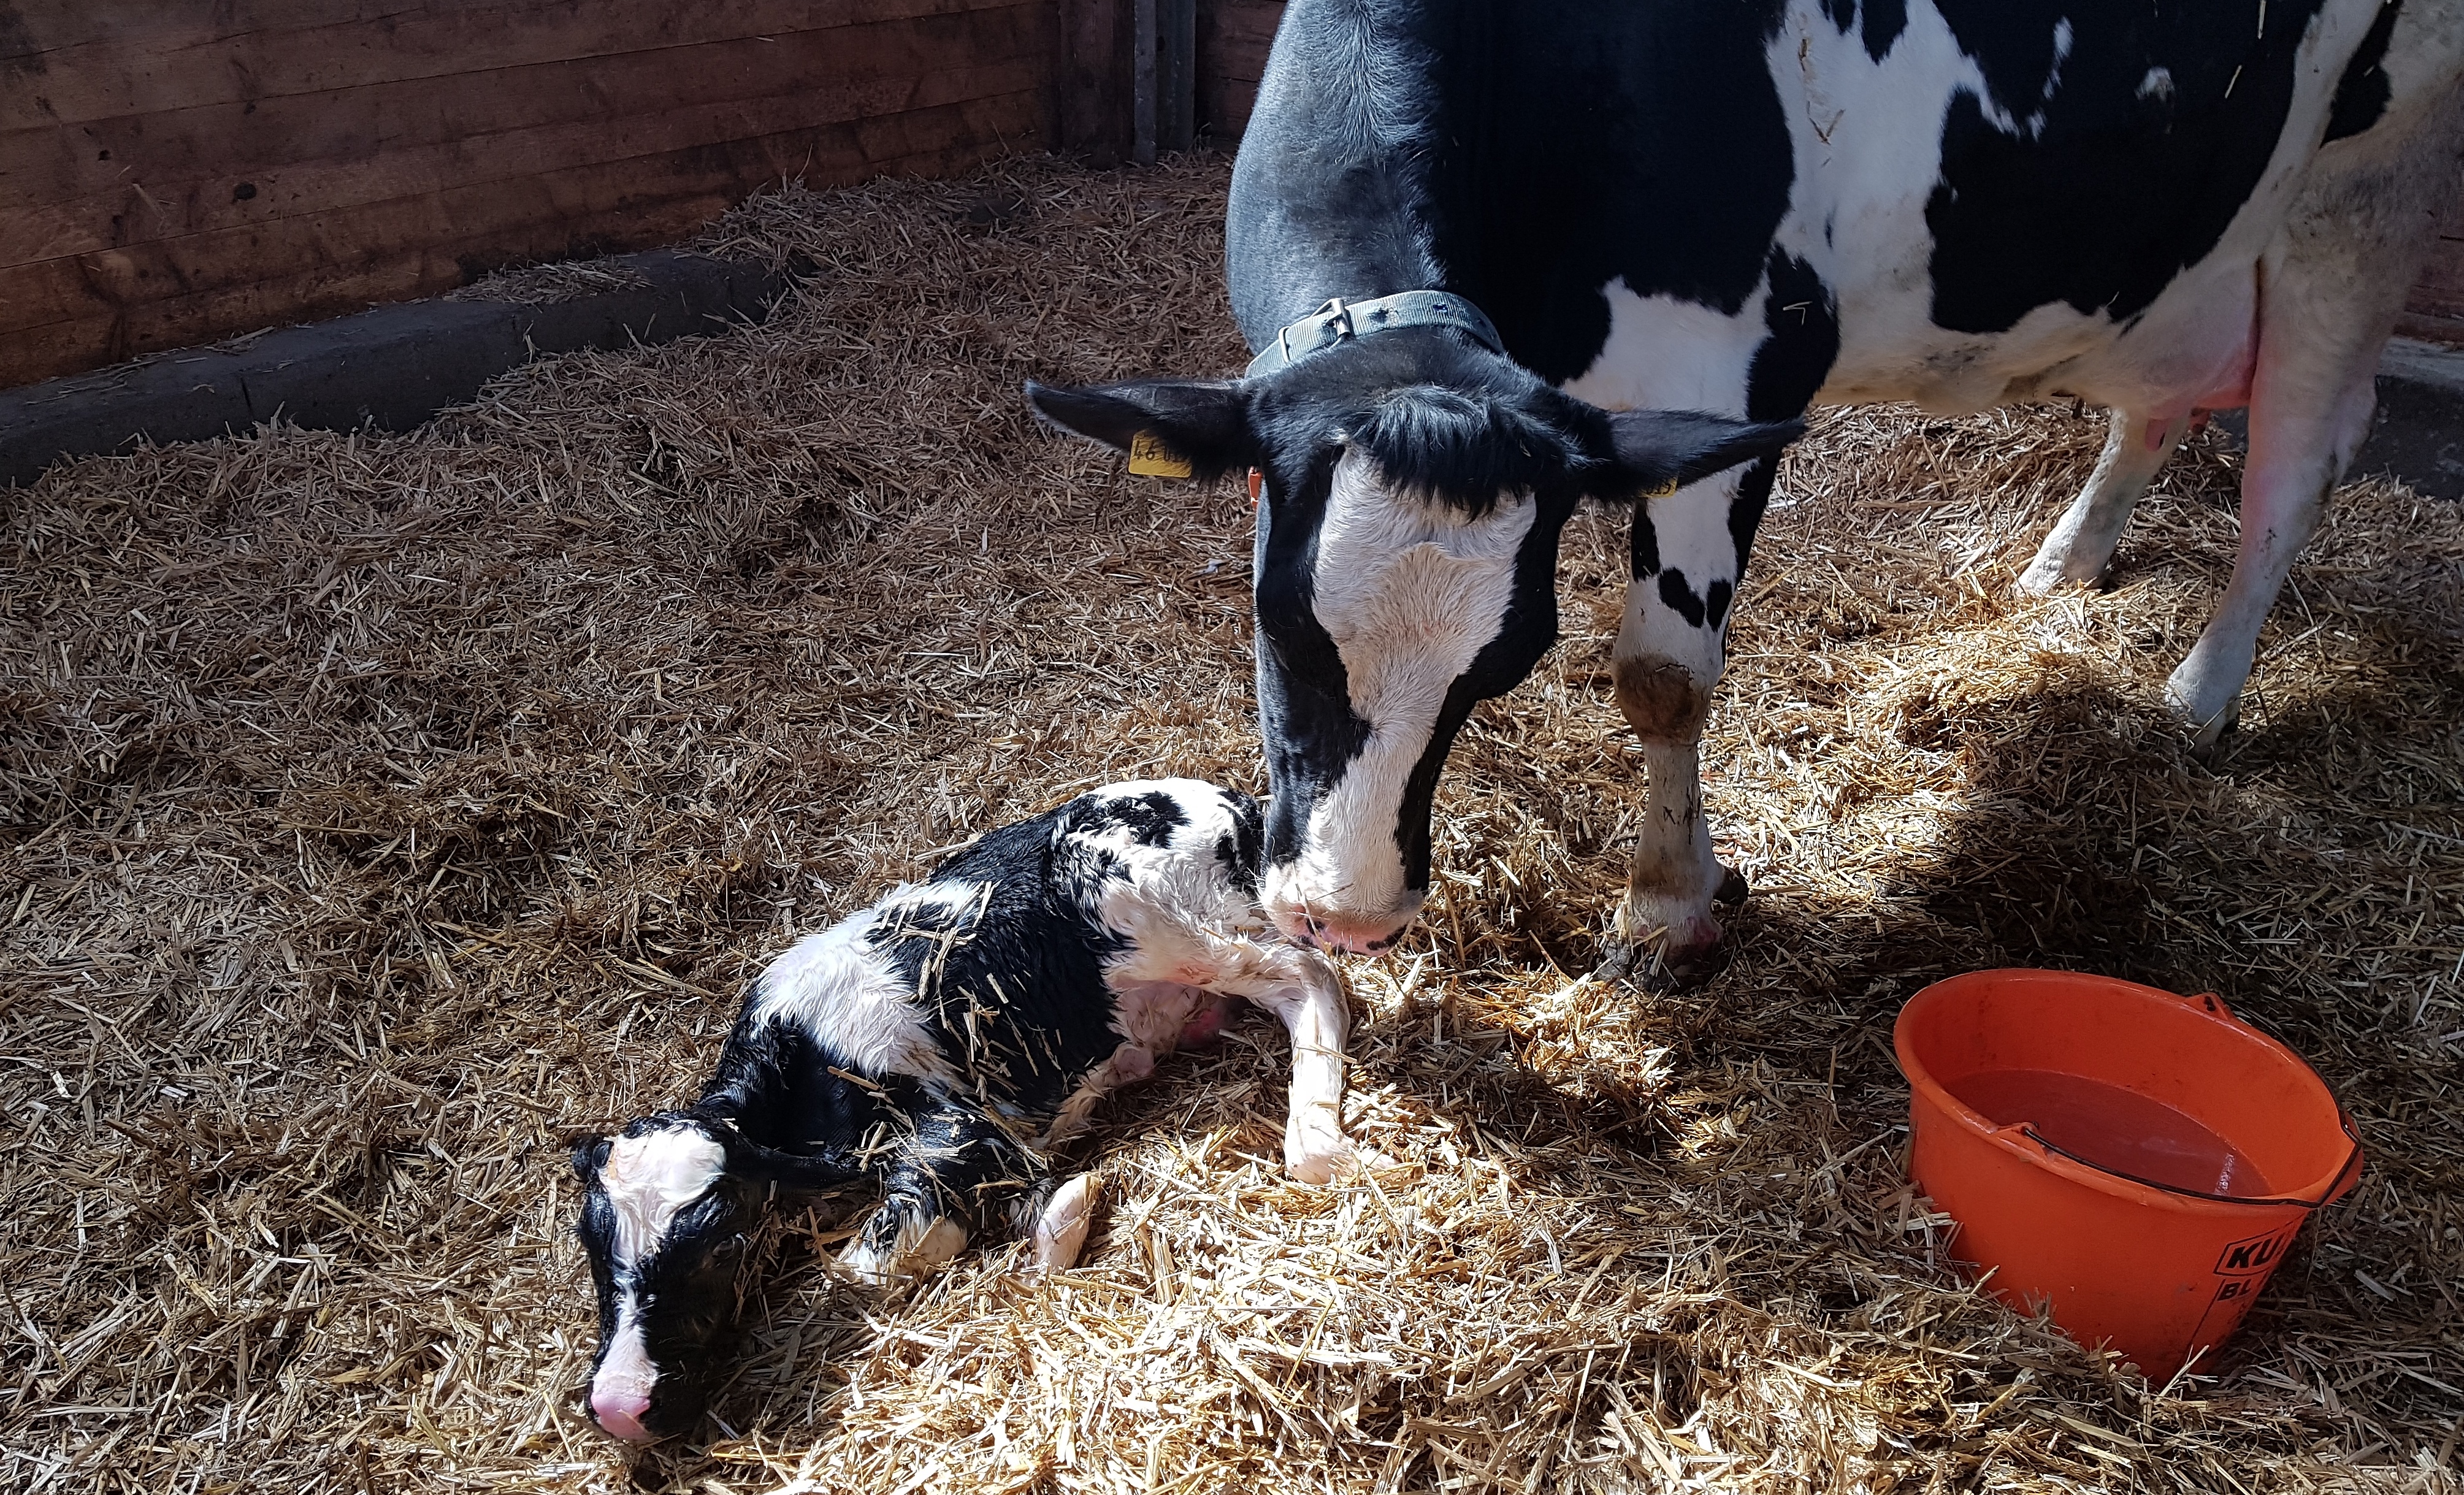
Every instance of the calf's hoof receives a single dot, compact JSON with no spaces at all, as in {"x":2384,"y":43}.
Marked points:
{"x":1315,"y":1149}
{"x":878,"y":1267}
{"x":1061,"y":1232}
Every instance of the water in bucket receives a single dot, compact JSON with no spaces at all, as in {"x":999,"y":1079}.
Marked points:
{"x":2117,"y":1130}
{"x":2138,"y":1161}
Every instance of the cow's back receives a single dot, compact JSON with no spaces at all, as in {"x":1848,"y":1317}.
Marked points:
{"x":1984,"y":199}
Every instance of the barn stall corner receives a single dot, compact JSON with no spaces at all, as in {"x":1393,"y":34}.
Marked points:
{"x":384,"y":812}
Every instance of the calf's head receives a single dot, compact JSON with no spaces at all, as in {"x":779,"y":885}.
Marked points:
{"x":1415,"y":489}
{"x":667,"y":1205}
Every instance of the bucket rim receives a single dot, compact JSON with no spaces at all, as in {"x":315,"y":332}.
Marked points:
{"x":2022,"y":1143}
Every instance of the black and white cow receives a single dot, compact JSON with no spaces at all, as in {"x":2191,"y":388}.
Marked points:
{"x":1741,"y":207}
{"x":939,"y":1041}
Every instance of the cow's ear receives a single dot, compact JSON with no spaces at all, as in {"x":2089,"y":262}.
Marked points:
{"x":1166,"y":425}
{"x":1659,"y":452}
{"x":589,"y":1155}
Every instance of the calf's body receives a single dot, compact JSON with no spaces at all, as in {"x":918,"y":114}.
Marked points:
{"x":938,"y":1041}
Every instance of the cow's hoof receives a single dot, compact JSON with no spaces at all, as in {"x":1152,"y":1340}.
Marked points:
{"x":2210,"y":732}
{"x":1668,"y":963}
{"x":1683,"y":969}
{"x":2208,"y":724}
{"x":1617,"y":960}
{"x":2049,"y":574}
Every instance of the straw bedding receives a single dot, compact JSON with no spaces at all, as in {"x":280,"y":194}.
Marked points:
{"x":385,"y":812}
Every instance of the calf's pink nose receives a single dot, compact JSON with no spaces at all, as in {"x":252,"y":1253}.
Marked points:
{"x":620,"y":1413}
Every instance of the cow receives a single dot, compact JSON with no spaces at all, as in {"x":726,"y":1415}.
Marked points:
{"x":939,"y":1043}
{"x":1494,"y":257}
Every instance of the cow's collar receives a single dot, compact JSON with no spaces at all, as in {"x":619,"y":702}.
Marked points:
{"x":1340,"y":321}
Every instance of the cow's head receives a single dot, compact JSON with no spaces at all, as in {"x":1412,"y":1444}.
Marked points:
{"x":667,"y":1204}
{"x":1415,"y":489}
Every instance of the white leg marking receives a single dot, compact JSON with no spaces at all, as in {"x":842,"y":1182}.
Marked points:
{"x":916,"y":1252}
{"x":1127,"y":1064}
{"x":1061,"y":1232}
{"x":2082,"y":541}
{"x":1667,"y":668}
{"x":1675,"y":873}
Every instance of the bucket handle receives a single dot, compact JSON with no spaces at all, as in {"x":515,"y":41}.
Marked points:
{"x":2343,"y":1119}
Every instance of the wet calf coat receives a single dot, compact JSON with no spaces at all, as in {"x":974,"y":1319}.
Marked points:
{"x":938,"y":1043}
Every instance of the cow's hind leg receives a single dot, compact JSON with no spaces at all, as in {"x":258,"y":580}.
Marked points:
{"x":2329,"y":291}
{"x":2081,"y":546}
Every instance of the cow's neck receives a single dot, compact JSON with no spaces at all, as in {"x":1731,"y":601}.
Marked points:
{"x":1332,"y":193}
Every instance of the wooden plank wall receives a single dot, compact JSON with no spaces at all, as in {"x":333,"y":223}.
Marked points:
{"x":2436,"y":310}
{"x":179,"y":172}
{"x":1232,"y":40}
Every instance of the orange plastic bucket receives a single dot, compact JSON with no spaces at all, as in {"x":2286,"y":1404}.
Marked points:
{"x":2135,"y":1161}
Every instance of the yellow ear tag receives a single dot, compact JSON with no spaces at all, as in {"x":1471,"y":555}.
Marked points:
{"x":1151,"y":458}
{"x":1660,"y":491}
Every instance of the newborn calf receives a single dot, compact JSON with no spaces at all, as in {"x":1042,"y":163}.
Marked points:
{"x":938,"y":1040}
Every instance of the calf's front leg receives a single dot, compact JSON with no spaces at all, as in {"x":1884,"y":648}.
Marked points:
{"x":1299,"y":987}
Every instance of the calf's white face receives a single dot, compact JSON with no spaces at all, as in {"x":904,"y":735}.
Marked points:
{"x":654,"y":1217}
{"x":1410,"y":590}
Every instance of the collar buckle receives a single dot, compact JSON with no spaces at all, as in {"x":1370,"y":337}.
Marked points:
{"x":1338,"y":322}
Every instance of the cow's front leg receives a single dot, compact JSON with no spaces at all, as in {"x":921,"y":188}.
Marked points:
{"x":1689,"y":550}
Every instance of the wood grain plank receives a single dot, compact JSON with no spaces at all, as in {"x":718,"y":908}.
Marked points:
{"x":2439,"y":292}
{"x":1247,"y":22}
{"x":45,"y":163}
{"x":1234,"y":38}
{"x":112,"y":78}
{"x":124,"y":303}
{"x":204,"y":169}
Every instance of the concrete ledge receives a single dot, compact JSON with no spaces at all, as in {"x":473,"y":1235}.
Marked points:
{"x":2419,"y":433}
{"x":393,"y":368}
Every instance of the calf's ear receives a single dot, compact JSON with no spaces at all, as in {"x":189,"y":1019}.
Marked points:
{"x":589,"y":1155}
{"x":747,"y":1158}
{"x":1659,"y":452}
{"x":1172,"y":428}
